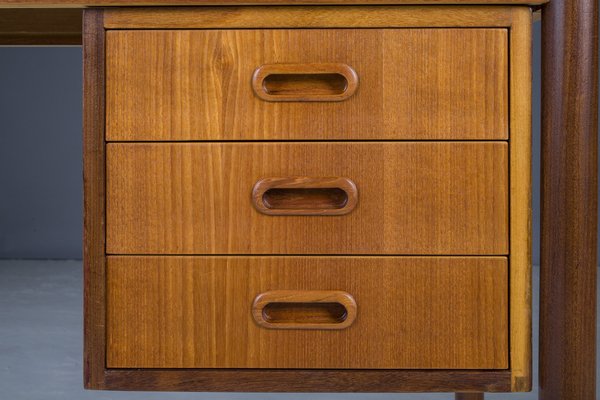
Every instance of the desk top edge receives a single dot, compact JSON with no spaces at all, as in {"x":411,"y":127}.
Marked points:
{"x":117,"y":3}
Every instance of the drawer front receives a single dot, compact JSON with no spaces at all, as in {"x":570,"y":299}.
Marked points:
{"x":315,"y":84}
{"x":407,"y":198}
{"x":197,"y":312}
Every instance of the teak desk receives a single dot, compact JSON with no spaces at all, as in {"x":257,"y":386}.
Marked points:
{"x":328,"y":195}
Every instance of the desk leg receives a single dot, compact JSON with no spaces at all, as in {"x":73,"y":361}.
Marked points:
{"x":569,"y":200}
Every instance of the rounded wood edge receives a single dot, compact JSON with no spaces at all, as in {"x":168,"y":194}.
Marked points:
{"x":569,"y":200}
{"x":304,"y":296}
{"x":303,"y":182}
{"x":265,"y":70}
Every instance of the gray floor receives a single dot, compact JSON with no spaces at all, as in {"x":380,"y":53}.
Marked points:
{"x":41,"y":341}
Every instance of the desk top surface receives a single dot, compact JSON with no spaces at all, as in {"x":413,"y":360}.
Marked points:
{"x":89,"y":3}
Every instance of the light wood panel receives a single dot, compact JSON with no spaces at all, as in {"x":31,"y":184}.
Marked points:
{"x":195,"y":312}
{"x":480,"y":16}
{"x":413,"y":198}
{"x":413,"y":84}
{"x":520,"y":200}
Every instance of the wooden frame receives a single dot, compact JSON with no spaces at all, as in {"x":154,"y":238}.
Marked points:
{"x":520,"y":201}
{"x":518,"y":378}
{"x":245,"y":17}
{"x":94,"y":204}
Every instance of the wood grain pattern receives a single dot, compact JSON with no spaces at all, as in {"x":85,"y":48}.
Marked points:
{"x":414,"y":84}
{"x":569,"y":200}
{"x":104,"y":3}
{"x":520,"y":200}
{"x":308,"y":380}
{"x":327,"y":380}
{"x":40,"y":27}
{"x":349,"y":16}
{"x":94,"y":343}
{"x":195,"y":198}
{"x":195,"y":312}
{"x":304,"y":309}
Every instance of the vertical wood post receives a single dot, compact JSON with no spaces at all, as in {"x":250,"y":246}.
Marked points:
{"x":94,"y":232}
{"x":569,"y":200}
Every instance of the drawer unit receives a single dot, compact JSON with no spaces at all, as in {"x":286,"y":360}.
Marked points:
{"x":308,"y":198}
{"x":369,"y":83}
{"x":197,"y":312}
{"x":411,"y":198}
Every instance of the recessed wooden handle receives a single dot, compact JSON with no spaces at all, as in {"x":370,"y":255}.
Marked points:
{"x":305,"y":196}
{"x":304,"y":82}
{"x":310,"y":309}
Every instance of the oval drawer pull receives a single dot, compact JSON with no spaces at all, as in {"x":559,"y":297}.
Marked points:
{"x":305,"y":196}
{"x":304,"y":82}
{"x":310,"y":309}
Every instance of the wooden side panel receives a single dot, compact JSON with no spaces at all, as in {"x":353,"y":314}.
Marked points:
{"x":413,"y":198}
{"x":196,"y":312}
{"x":413,"y":84}
{"x":520,"y":200}
{"x":94,"y":337}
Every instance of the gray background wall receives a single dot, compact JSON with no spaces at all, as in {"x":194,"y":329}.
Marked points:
{"x":40,"y":152}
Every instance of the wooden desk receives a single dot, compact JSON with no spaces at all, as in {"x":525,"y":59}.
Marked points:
{"x":569,"y":184}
